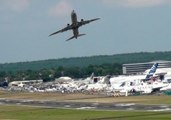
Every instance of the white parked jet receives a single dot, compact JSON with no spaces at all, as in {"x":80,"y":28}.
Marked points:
{"x":141,"y":84}
{"x":117,"y":81}
{"x":102,"y":83}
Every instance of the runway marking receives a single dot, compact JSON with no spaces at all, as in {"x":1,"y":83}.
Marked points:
{"x":164,"y":106}
{"x":82,"y":108}
{"x":130,"y":109}
{"x":67,"y":106}
{"x":160,"y":110}
{"x":124,"y":105}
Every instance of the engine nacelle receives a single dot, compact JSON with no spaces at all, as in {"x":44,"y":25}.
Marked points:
{"x":68,"y":24}
{"x":82,"y":20}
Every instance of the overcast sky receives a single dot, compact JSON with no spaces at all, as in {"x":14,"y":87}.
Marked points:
{"x":125,"y":26}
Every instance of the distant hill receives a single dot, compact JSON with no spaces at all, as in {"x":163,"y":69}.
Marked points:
{"x":86,"y":61}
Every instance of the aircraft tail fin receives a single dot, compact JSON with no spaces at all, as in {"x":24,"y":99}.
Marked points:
{"x":75,"y":37}
{"x":92,"y":76}
{"x":152,"y":71}
{"x":106,"y":79}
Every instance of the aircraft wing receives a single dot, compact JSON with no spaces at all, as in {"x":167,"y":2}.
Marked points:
{"x":62,"y":30}
{"x":156,"y":89}
{"x":87,"y":21}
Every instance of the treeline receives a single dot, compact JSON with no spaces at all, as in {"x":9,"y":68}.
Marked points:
{"x":79,"y":67}
{"x":74,"y":72}
{"x":82,"y":62}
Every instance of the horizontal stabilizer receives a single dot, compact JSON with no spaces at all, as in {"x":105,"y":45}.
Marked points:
{"x":81,"y":35}
{"x":70,"y":38}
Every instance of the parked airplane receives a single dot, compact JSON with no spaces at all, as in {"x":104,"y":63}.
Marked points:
{"x":117,"y":81}
{"x":142,"y":84}
{"x":74,"y":26}
{"x":100,"y":83}
{"x":149,"y":87}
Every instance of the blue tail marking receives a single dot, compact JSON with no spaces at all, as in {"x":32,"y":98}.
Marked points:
{"x":152,"y":71}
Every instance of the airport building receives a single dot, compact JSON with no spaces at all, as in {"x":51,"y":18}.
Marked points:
{"x":139,"y":68}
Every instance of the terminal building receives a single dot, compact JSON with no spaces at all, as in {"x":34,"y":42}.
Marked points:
{"x":139,"y":68}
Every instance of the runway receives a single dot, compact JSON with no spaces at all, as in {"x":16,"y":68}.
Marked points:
{"x":86,"y":105}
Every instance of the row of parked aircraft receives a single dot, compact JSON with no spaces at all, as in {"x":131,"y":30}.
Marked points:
{"x":152,"y":80}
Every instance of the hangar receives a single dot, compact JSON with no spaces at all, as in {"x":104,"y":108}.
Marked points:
{"x":138,"y":68}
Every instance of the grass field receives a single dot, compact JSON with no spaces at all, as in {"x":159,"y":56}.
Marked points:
{"x":9,"y":112}
{"x":37,"y":113}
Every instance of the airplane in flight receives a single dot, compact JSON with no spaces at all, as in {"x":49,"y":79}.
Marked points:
{"x":74,"y":26}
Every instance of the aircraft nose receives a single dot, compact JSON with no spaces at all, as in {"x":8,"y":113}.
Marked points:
{"x":73,"y":11}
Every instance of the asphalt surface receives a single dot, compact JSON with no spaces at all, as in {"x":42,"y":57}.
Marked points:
{"x":83,"y":105}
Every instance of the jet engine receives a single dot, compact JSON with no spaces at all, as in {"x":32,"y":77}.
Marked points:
{"x":82,"y":20}
{"x":68,"y":24}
